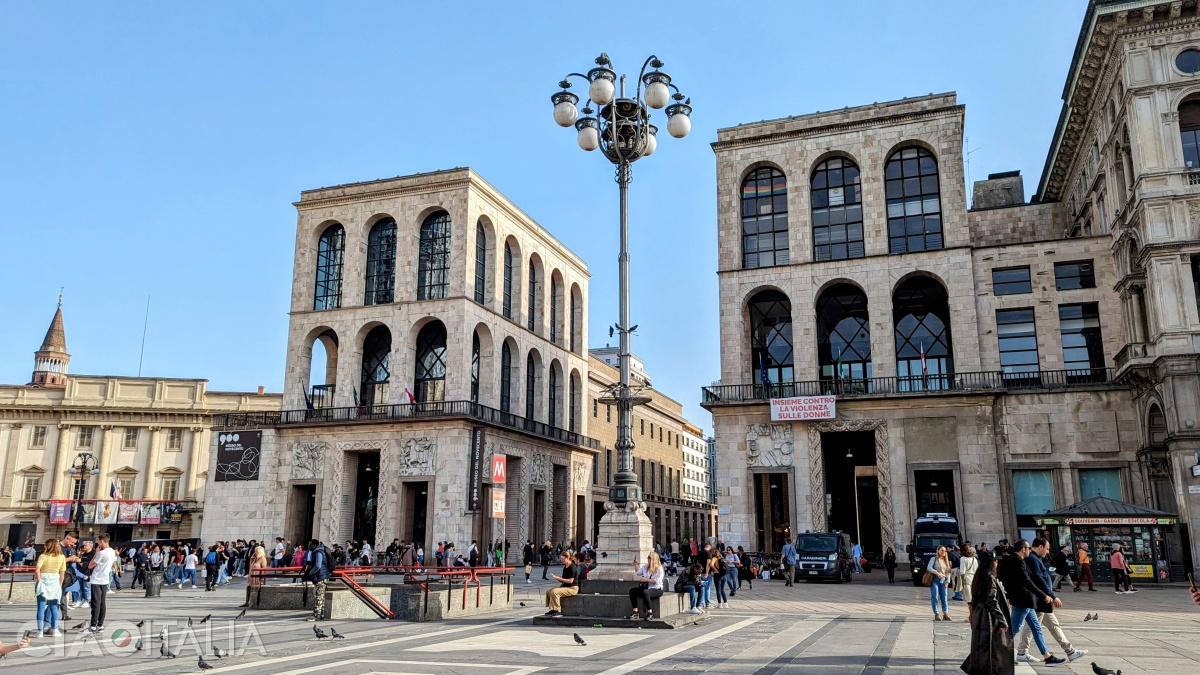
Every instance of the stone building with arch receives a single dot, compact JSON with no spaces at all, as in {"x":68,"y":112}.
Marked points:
{"x":993,"y":360}
{"x":433,"y":324}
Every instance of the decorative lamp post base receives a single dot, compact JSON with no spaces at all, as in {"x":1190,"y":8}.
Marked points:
{"x":625,"y":535}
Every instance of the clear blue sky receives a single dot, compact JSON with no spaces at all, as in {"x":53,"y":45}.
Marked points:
{"x":155,"y":148}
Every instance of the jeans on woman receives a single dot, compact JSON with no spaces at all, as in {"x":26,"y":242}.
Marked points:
{"x":222,"y":575}
{"x":937,"y":591}
{"x":691,"y":591}
{"x":722,"y":593}
{"x":732,"y":580}
{"x":706,"y":589}
{"x":115,"y":579}
{"x":47,"y":613}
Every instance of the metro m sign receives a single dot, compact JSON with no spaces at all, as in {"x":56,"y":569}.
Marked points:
{"x":499,"y":469}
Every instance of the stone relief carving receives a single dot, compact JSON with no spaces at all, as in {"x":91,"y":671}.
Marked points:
{"x":334,"y":494}
{"x":580,"y":470}
{"x":538,"y":469}
{"x":308,"y":459}
{"x":883,"y":472}
{"x":355,"y":446}
{"x":769,"y":445}
{"x":417,"y":457}
{"x":386,"y":512}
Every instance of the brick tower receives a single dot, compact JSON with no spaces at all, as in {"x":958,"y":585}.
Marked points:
{"x":50,"y":362}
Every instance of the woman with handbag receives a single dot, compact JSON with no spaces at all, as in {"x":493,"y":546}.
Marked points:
{"x":936,"y":575}
{"x":650,"y":577}
{"x":51,"y":565}
{"x":527,"y":560}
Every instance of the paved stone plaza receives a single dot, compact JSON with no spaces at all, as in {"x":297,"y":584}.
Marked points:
{"x":865,"y":628}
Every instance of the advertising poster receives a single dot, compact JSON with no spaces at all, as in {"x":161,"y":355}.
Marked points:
{"x":61,"y":512}
{"x":172,"y":512}
{"x":151,"y":513}
{"x":87,"y":513}
{"x":238,"y":455}
{"x":129,"y":513}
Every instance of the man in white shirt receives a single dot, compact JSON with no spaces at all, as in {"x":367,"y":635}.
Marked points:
{"x":366,"y":552}
{"x":101,"y":569}
{"x":277,"y":556}
{"x":189,"y":570}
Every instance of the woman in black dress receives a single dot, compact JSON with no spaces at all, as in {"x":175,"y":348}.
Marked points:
{"x":991,"y":641}
{"x":745,"y":571}
{"x":889,"y":563}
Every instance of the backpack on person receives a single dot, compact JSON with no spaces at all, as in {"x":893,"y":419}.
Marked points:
{"x":722,"y":567}
{"x":211,"y":558}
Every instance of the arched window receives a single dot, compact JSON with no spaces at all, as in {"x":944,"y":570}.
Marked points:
{"x":381,"y":263}
{"x":844,"y":337}
{"x":924,"y":350}
{"x":330,"y":250}
{"x":552,"y":391}
{"x":480,"y":262}
{"x":555,"y":311}
{"x":505,"y":378}
{"x":530,"y":388}
{"x":576,"y":319}
{"x":771,"y":338}
{"x":914,"y":207}
{"x":533,"y":296}
{"x":506,"y":306}
{"x":433,"y":261}
{"x":764,"y":219}
{"x":431,"y":363}
{"x":573,"y":405}
{"x":1156,"y":428}
{"x":1189,"y":131}
{"x":475,"y":367}
{"x":376,"y":367}
{"x":837,"y":221}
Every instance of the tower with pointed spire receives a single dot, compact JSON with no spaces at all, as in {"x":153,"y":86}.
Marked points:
{"x":50,"y":362}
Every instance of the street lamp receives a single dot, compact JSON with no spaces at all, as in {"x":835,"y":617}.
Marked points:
{"x":622,"y":131}
{"x":84,"y":465}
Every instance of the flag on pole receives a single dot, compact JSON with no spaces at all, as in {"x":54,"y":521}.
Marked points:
{"x":114,"y":490}
{"x":307,"y":401}
{"x":408,"y":394}
{"x":924,"y":365}
{"x":762,"y":369}
{"x":355,"y":390}
{"x":839,"y":363}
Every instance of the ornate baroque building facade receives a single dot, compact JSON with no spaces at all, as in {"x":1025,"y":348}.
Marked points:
{"x":146,"y":442}
{"x":993,"y":362}
{"x":433,"y":325}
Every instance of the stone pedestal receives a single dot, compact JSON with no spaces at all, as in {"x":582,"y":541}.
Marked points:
{"x":625,"y":535}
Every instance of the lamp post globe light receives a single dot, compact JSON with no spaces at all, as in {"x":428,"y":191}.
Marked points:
{"x":620,"y":128}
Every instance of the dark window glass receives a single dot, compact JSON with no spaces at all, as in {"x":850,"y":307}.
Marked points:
{"x":433,"y":264}
{"x":771,"y":337}
{"x":555,"y":301}
{"x":573,"y":403}
{"x":381,"y":263}
{"x":1016,"y":333}
{"x":764,"y":219}
{"x":1189,"y":131}
{"x":576,"y":324}
{"x":530,"y":388}
{"x":837,"y":222}
{"x":480,"y":262}
{"x":376,"y":367}
{"x":1196,"y":281}
{"x":914,"y":207}
{"x":552,"y":391}
{"x":924,"y":350}
{"x":595,"y":408}
{"x":1083,"y":346}
{"x":505,"y":378}
{"x":506,"y":306}
{"x":330,"y":250}
{"x":533,"y":297}
{"x":1188,"y":61}
{"x":843,"y":334}
{"x":1011,"y":281}
{"x":431,"y":363}
{"x":1071,"y":275}
{"x":475,"y":368}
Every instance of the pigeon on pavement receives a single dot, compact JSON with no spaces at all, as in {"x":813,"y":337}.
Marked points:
{"x":138,"y":647}
{"x":319,"y":633}
{"x":162,"y":651}
{"x":78,"y":626}
{"x":336,"y":635}
{"x":141,"y":623}
{"x":206,"y":618}
{"x":1087,"y":617}
{"x":219,"y":653}
{"x":1103,"y":671}
{"x":240,"y":615}
{"x":189,"y":622}
{"x":162,"y":635}
{"x":203,"y":664}
{"x":578,"y":640}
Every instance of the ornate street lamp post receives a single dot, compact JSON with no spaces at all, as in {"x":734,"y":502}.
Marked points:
{"x":83,"y":466}
{"x":622,"y":131}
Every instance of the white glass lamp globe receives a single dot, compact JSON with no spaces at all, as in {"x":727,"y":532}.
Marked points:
{"x":565,"y":113}
{"x":589,"y":138}
{"x":651,"y":144}
{"x":601,"y":91}
{"x":657,"y":95}
{"x":679,"y":125}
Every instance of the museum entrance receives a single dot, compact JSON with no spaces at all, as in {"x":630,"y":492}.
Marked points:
{"x":772,"y":510}
{"x":852,"y":488}
{"x":366,"y":497}
{"x":537,"y":518}
{"x":302,"y":512}
{"x":415,"y":510}
{"x":934,"y":490}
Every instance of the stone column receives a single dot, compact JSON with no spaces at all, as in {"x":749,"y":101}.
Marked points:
{"x":105,"y":462}
{"x":199,"y":447}
{"x":151,"y":489}
{"x":60,"y":462}
{"x":1139,"y":315}
{"x":9,"y":433}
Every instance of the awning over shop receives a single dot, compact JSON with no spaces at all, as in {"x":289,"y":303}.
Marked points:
{"x":1105,"y":511}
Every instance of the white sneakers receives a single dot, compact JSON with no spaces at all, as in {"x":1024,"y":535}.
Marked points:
{"x":695,"y":610}
{"x":1027,"y":657}
{"x":1077,"y":654}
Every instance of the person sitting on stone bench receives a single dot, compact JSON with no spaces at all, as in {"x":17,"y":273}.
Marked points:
{"x":569,"y":584}
{"x":650,"y":586}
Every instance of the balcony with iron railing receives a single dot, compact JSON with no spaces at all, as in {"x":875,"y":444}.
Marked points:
{"x":376,"y":414}
{"x":882,"y":387}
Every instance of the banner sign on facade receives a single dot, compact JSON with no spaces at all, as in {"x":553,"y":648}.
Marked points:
{"x":238,"y":455}
{"x":86,"y":514}
{"x":475,"y":468}
{"x":106,"y":513}
{"x":61,"y":512}
{"x":802,"y":408}
{"x":499,"y":469}
{"x":129,"y":513}
{"x":151,"y":513}
{"x":1141,"y":571}
{"x":1118,"y":520}
{"x":172,"y":512}
{"x":498,"y":503}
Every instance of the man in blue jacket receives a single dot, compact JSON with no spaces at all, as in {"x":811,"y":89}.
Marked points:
{"x":788,"y":557}
{"x":317,"y":570}
{"x":1045,"y":610}
{"x":1024,"y":594}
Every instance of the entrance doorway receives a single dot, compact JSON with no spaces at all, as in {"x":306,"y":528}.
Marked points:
{"x":580,"y":519}
{"x":852,"y":488}
{"x":773,"y":513}
{"x":366,"y":497}
{"x":302,"y":512}
{"x":21,"y":534}
{"x":934,"y":491}
{"x":537,"y":518}
{"x":414,"y":516}
{"x":597,"y":516}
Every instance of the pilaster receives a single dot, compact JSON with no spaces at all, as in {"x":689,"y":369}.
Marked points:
{"x":150,"y":491}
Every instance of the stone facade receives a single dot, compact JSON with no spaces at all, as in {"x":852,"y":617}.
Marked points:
{"x":381,"y":446}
